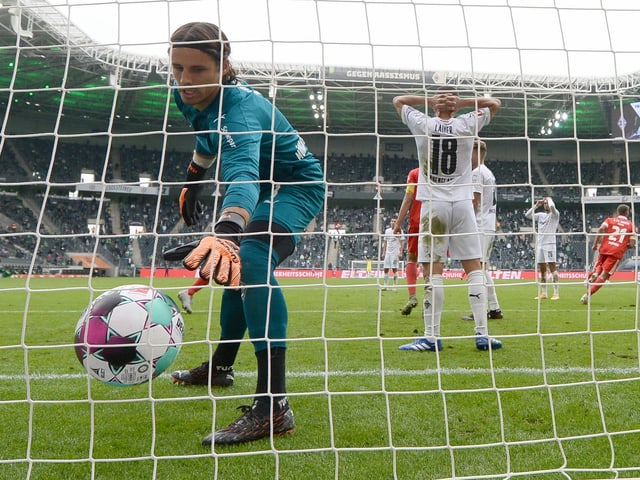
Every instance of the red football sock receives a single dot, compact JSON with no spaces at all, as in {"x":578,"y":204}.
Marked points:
{"x":197,"y":285}
{"x":597,"y":284}
{"x":412,"y":277}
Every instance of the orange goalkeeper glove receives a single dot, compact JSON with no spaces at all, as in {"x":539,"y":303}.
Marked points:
{"x":218,"y":259}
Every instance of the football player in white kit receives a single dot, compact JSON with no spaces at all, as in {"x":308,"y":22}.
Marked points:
{"x":448,"y":223}
{"x":392,"y":251}
{"x":485,"y":199}
{"x":546,"y":225}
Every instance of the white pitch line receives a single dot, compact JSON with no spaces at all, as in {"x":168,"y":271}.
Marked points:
{"x":388,"y":372}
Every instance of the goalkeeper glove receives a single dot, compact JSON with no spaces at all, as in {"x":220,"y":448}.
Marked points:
{"x":190,"y":207}
{"x":218,"y":259}
{"x":178,"y":253}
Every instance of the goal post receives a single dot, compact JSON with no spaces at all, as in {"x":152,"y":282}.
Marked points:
{"x":373,"y":268}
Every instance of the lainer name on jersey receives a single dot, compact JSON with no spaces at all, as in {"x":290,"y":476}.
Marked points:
{"x":440,"y":128}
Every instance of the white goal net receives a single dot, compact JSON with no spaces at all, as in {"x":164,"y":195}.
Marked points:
{"x":93,"y":157}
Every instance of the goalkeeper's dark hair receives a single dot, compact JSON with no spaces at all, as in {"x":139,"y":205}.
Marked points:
{"x":210,"y":39}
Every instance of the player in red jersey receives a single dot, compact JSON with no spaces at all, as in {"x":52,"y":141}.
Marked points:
{"x":412,"y":206}
{"x":615,"y":236}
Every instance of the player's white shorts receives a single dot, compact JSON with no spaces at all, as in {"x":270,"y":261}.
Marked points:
{"x":546,"y":253}
{"x":448,"y":226}
{"x":486,"y":245}
{"x":391,"y":261}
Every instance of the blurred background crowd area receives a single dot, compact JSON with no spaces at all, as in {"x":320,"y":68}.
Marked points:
{"x":44,"y":216}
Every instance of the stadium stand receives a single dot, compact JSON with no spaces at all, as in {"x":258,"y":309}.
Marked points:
{"x":346,"y":173}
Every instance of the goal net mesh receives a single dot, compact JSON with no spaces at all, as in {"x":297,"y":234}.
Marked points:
{"x":93,"y":154}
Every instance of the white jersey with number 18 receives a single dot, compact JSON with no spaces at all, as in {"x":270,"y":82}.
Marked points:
{"x":444,"y":151}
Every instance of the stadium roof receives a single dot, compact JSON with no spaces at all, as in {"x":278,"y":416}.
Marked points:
{"x":51,"y":69}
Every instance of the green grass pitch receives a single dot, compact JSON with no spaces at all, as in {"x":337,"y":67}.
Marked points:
{"x":560,"y":400}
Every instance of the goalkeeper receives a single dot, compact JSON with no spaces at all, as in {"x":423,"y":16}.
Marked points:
{"x":274,"y":188}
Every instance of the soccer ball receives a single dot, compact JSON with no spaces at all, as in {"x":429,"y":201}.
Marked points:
{"x":129,"y":335}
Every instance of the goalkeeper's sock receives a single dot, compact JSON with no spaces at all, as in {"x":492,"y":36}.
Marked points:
{"x":271,"y":376}
{"x":225,"y":355}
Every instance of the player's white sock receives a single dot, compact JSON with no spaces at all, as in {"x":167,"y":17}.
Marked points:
{"x":556,"y":284}
{"x":433,"y":302}
{"x":492,"y":297}
{"x":478,"y":300}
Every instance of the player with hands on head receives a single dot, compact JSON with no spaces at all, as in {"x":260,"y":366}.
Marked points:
{"x":615,"y":236}
{"x":546,"y":225}
{"x":447,"y":219}
{"x":274,"y":189}
{"x":410,"y":206}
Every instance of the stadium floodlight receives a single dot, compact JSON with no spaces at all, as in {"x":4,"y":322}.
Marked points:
{"x":554,"y":122}
{"x":316,"y":98}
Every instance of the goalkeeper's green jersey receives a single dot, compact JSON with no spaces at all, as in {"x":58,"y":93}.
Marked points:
{"x":256,"y":145}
